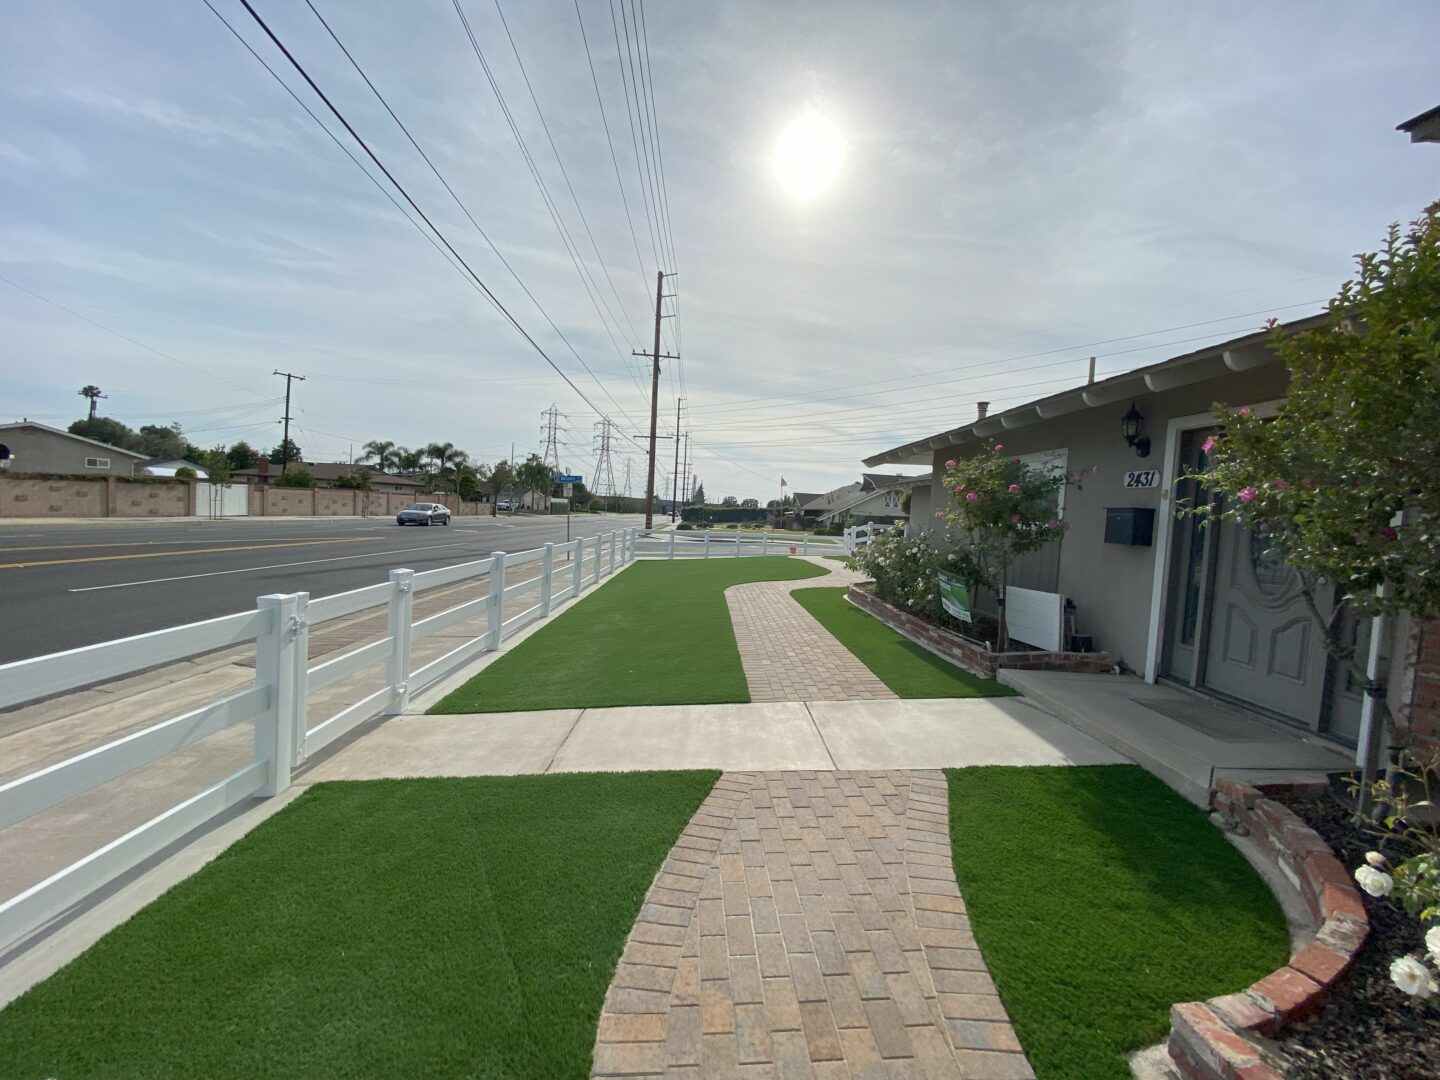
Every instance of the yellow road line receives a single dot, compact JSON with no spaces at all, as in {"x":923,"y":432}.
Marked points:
{"x":152,"y":543}
{"x":193,"y":551}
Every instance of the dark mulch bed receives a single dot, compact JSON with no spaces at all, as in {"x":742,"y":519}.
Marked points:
{"x":1367,"y":1029}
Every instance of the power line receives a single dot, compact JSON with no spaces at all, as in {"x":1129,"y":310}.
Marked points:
{"x":415,"y":206}
{"x":742,"y":403}
{"x":634,"y":141}
{"x":534,"y":100}
{"x":127,"y":337}
{"x":592,"y":288}
{"x":458,"y":202}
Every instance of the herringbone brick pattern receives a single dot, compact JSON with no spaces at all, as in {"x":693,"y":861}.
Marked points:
{"x":808,"y":924}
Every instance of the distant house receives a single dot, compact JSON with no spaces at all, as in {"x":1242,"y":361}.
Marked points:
{"x":169,"y":466}
{"x":327,"y":472}
{"x":874,"y":498}
{"x":28,"y":447}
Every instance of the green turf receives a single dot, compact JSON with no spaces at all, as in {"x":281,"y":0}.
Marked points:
{"x":659,"y":634}
{"x":1100,"y":898}
{"x":903,"y":666}
{"x":435,"y":928}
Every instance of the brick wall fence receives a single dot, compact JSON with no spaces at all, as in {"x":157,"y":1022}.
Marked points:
{"x":1212,"y":1040}
{"x":118,"y":496}
{"x":972,"y":656}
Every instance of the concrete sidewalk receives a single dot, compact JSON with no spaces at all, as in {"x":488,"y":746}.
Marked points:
{"x":761,"y":736}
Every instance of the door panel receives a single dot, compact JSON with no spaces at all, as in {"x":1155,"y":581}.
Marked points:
{"x":1269,"y":650}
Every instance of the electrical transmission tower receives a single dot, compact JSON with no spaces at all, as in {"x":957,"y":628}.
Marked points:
{"x":628,"y":464}
{"x":552,"y":429}
{"x":603,"y":482}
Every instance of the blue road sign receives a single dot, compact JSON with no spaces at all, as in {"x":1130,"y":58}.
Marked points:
{"x":569,"y":480}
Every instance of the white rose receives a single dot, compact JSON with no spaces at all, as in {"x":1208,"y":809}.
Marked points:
{"x":1432,"y":941}
{"x":1375,"y":882}
{"x":1375,"y":859}
{"x":1413,"y":977}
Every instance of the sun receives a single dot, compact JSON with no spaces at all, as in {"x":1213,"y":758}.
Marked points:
{"x":808,"y":155}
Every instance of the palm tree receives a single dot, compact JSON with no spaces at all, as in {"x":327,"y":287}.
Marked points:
{"x":447,"y":458}
{"x":408,"y":461}
{"x":384,"y":453}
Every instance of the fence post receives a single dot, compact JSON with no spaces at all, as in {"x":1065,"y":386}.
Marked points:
{"x":614,"y":547}
{"x":805,"y":545}
{"x":302,"y":674}
{"x":398,"y":619}
{"x":738,"y":534}
{"x":598,"y":543}
{"x":497,"y":599}
{"x":547,"y":569}
{"x":579,"y":554}
{"x":706,"y":552}
{"x":275,"y":654}
{"x":672,"y":545}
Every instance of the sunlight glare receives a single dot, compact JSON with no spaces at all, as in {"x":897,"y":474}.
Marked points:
{"x":808,"y":155}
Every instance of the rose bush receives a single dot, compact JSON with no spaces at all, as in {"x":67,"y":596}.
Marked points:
{"x":906,"y":571}
{"x":1004,"y":509}
{"x":1411,"y":826}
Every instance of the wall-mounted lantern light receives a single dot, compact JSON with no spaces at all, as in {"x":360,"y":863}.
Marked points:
{"x":1132,"y":425}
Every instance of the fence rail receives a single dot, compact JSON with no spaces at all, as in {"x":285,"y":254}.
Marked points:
{"x":278,"y":703}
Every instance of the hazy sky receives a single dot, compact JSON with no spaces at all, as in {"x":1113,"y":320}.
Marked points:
{"x":1019,"y":184}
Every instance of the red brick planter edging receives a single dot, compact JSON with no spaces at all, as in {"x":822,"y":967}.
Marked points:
{"x":1210,"y":1040}
{"x":970,"y":655}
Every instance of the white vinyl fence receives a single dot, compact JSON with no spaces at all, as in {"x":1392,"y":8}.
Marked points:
{"x":276,"y":705}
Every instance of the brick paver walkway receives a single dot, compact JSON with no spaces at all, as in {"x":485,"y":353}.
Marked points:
{"x":807,"y":924}
{"x":786,"y":654}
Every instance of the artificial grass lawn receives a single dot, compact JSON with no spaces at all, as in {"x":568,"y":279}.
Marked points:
{"x":908,"y":669}
{"x":1100,"y":898}
{"x":435,"y":928}
{"x":659,"y":634}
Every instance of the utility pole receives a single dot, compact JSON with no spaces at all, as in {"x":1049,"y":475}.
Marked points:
{"x":675,"y":475}
{"x":685,"y":484}
{"x":94,"y":393}
{"x":285,"y":439}
{"x":655,"y":357}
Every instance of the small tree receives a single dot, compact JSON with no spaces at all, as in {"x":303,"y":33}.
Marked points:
{"x":1345,"y":479}
{"x":216,"y":464}
{"x":534,"y":475}
{"x":297,"y":476}
{"x":287,"y":452}
{"x":242,"y":455}
{"x":1004,"y":509}
{"x":185,"y":472}
{"x":502,"y":476}
{"x":384,"y":453}
{"x":359,"y":480}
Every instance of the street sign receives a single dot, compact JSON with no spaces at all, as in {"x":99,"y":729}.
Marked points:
{"x":567,"y":479}
{"x":568,"y":490}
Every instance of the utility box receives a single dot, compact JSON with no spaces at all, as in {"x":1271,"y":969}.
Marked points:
{"x":1132,"y":525}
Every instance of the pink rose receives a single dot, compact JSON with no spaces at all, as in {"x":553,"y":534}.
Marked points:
{"x":1013,"y":488}
{"x":1245,"y":411}
{"x":1247,"y":494}
{"x":959,"y":488}
{"x":1208,"y":444}
{"x":950,"y":464}
{"x":999,"y":446}
{"x":1264,"y":527}
{"x":1388,"y":534}
{"x":970,"y":496}
{"x":1051,"y":523}
{"x":1281,"y":485}
{"x":1014,"y":519}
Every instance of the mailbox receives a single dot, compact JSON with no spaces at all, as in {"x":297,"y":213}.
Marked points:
{"x":1133,"y":525}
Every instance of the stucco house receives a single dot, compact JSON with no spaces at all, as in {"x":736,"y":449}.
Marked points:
{"x":1215,"y":610}
{"x":1423,"y":128}
{"x":28,"y":447}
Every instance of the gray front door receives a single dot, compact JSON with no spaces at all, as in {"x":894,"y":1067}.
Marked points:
{"x":1263,"y":645}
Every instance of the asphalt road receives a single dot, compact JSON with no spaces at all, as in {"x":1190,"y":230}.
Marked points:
{"x":70,"y":584}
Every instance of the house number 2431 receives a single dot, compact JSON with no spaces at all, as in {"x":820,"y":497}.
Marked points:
{"x":1142,"y":478}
